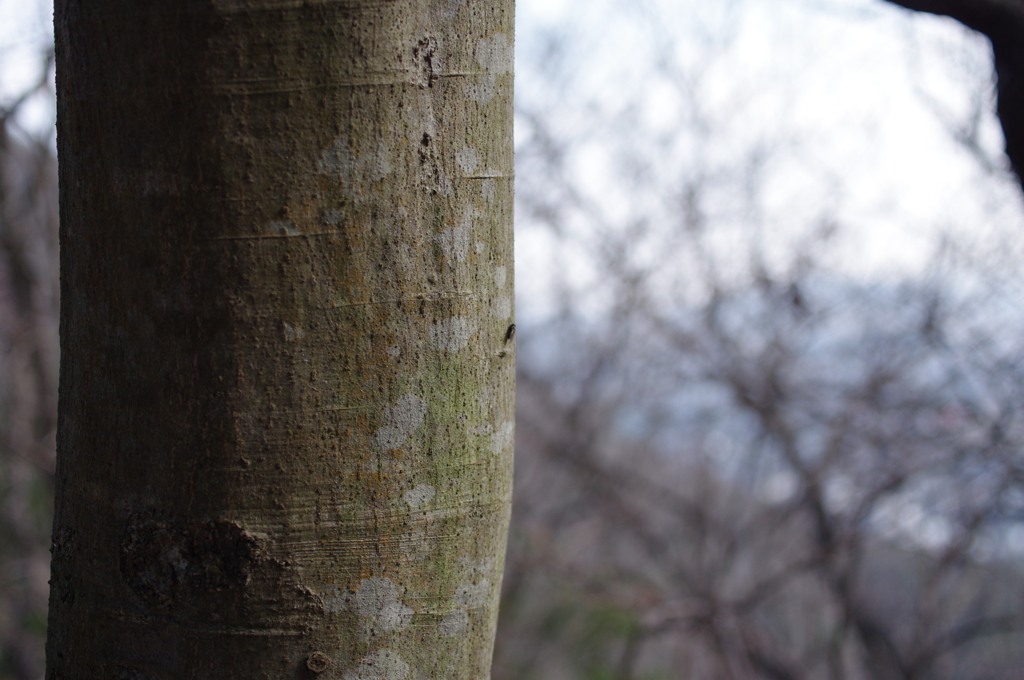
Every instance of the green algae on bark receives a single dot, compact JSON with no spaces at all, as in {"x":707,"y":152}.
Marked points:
{"x":286,"y":400}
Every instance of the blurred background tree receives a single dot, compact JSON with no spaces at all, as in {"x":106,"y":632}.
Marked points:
{"x":771,"y":397}
{"x":28,"y":335}
{"x":770,"y":409}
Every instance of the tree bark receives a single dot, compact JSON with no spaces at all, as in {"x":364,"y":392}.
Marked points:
{"x":286,"y":402}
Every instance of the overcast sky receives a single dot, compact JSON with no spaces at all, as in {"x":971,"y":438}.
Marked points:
{"x":871,"y":91}
{"x":868,"y":83}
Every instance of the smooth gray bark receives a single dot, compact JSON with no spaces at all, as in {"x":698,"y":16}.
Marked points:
{"x":286,"y":402}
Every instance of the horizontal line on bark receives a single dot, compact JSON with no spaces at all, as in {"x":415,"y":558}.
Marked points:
{"x":393,"y":539}
{"x":299,"y":86}
{"x":323,"y":409}
{"x":397,"y":538}
{"x":258,"y":86}
{"x":367,"y":517}
{"x":273,"y":237}
{"x":243,"y":7}
{"x":428,"y":297}
{"x":206,"y":628}
{"x":370,"y":515}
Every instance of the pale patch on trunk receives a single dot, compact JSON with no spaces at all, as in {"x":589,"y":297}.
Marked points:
{"x":468,"y":159}
{"x":376,"y":602}
{"x":421,"y":494}
{"x":451,"y":335}
{"x":383,"y":665}
{"x":501,"y":307}
{"x":473,"y":595}
{"x":495,"y":54}
{"x":503,"y":438}
{"x":455,"y":239}
{"x":455,"y":622}
{"x":401,"y":420}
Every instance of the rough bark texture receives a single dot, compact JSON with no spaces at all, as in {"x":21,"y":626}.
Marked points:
{"x":1003,"y":22}
{"x":286,"y":403}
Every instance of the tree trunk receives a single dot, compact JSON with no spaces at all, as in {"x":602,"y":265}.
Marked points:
{"x":285,"y":431}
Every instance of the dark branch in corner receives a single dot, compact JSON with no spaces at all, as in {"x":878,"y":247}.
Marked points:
{"x":986,"y":16}
{"x":1003,"y":22}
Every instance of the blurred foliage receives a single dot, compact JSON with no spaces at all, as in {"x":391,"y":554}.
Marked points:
{"x":29,"y":300}
{"x":770,"y":461}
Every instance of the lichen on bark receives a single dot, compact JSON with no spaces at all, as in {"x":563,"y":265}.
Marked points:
{"x":287,"y":385}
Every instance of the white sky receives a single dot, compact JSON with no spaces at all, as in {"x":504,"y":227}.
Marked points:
{"x":26,"y":28}
{"x":854,"y":77}
{"x":847,"y":71}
